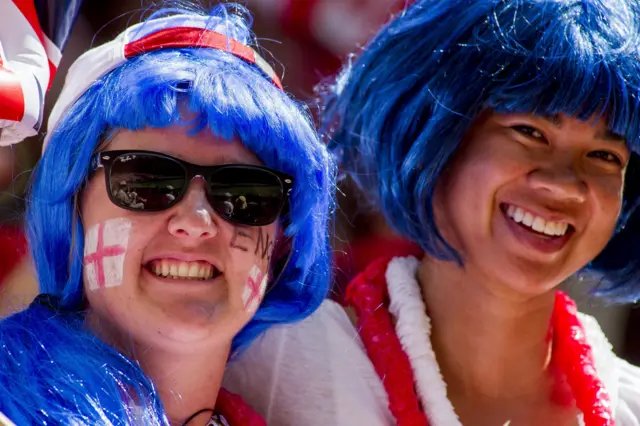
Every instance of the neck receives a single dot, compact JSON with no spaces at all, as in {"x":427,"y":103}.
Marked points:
{"x":186,"y":381}
{"x":490,"y":345}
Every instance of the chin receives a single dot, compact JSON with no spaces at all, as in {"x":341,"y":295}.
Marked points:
{"x":183,"y":328}
{"x":198,"y":325}
{"x":531,"y":281}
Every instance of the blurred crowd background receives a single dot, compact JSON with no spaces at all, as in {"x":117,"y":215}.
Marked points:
{"x":306,"y":41}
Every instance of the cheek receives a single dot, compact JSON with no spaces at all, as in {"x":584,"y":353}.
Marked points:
{"x":250,"y":256}
{"x":608,"y":195}
{"x":105,"y":248}
{"x":254,"y":289}
{"x":466,"y":198}
{"x":249,"y":247}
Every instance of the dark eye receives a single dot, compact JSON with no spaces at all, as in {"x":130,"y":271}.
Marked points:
{"x":606,"y":156}
{"x":532,"y":132}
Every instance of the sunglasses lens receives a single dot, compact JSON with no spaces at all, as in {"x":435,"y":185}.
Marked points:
{"x":245,"y":195}
{"x":145,"y":181}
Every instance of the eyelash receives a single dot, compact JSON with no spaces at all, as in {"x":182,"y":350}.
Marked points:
{"x":612,"y":157}
{"x":528,"y":131}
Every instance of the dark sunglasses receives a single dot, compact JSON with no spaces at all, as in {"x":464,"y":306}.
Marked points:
{"x":151,"y":181}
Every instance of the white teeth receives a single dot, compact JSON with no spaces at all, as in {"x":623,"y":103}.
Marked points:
{"x":537,"y":223}
{"x":193,"y":270}
{"x":519,"y":215}
{"x":550,"y":228}
{"x":561,"y":228}
{"x":176,"y":269}
{"x":183,"y":269}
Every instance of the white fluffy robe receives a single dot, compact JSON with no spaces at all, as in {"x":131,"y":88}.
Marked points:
{"x":317,"y":373}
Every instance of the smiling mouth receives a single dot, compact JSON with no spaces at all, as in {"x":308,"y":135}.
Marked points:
{"x":536,"y":224}
{"x":181,"y":270}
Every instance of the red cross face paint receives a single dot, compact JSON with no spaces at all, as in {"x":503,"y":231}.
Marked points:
{"x":254,"y":289}
{"x":105,"y":245}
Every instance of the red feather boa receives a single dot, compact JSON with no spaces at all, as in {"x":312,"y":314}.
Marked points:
{"x":235,"y":411}
{"x":572,"y":356}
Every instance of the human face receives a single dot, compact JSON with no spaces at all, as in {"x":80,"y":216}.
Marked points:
{"x":514,"y":170}
{"x":130,"y":298}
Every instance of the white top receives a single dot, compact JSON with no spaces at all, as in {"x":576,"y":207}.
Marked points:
{"x":317,"y":373}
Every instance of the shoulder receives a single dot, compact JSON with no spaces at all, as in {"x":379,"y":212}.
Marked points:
{"x":621,"y":379}
{"x":318,"y":334}
{"x":328,"y":324}
{"x":315,"y":372}
{"x":285,"y":349}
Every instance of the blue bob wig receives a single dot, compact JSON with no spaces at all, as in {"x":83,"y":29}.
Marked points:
{"x":53,"y":370}
{"x":398,"y":112}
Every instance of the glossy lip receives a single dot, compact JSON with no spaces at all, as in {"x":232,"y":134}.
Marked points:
{"x":534,"y":240}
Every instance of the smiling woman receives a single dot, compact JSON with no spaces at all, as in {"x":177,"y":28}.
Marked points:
{"x":503,"y":138}
{"x":548,"y":204}
{"x":180,"y":208}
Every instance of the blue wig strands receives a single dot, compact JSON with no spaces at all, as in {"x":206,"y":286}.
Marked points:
{"x":398,"y":114}
{"x":53,"y":371}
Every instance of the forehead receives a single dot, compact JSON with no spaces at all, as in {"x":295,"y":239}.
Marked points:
{"x":179,"y":141}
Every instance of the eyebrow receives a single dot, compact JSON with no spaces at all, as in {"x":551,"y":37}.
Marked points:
{"x":607,"y":135}
{"x":554,"y":119}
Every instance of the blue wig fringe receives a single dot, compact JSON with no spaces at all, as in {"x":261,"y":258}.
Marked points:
{"x":63,"y":372}
{"x":398,"y":113}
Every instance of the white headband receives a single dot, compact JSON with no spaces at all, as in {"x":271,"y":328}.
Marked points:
{"x":170,"y":32}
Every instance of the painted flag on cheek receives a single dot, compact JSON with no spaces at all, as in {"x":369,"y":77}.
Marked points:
{"x":105,"y":247}
{"x":32,"y":36}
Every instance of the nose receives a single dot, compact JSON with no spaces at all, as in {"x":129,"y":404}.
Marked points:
{"x":560,"y":181}
{"x":193,"y":218}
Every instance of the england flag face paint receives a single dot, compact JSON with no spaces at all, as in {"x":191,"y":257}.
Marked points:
{"x":105,"y":246}
{"x":254,"y":289}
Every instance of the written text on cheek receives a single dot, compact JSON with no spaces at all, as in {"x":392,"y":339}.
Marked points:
{"x":262,"y":244}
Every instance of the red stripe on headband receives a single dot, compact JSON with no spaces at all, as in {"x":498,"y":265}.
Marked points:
{"x":52,"y":72}
{"x":12,"y":105}
{"x":28,"y":10}
{"x":194,"y":37}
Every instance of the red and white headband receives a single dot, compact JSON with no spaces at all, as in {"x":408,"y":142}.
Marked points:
{"x":170,"y":32}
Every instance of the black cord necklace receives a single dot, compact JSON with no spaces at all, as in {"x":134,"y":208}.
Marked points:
{"x":197,"y":413}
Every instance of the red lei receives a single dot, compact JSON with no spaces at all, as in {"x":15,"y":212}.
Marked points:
{"x":572,"y":355}
{"x":235,"y":411}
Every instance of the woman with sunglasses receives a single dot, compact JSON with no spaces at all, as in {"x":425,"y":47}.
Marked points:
{"x":503,"y":138}
{"x":180,"y":209}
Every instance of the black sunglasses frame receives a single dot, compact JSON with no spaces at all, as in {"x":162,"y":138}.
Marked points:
{"x":106,"y":159}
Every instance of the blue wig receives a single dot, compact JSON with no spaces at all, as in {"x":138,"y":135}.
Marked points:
{"x":49,"y":367}
{"x":398,"y":113}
